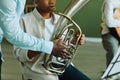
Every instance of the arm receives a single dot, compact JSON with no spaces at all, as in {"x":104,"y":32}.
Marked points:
{"x":32,"y":54}
{"x":21,"y":54}
{"x":10,"y":26}
{"x":28,"y":55}
{"x":112,"y":16}
{"x":117,"y":17}
{"x":24,"y":55}
{"x":109,"y":14}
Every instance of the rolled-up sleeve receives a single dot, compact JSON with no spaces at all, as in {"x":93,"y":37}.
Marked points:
{"x":21,"y":54}
{"x":109,"y":12}
{"x":9,"y":23}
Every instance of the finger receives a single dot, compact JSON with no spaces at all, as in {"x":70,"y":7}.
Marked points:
{"x":82,"y":39}
{"x":65,"y":54}
{"x":59,"y":40}
{"x":83,"y":36}
{"x":62,"y":55}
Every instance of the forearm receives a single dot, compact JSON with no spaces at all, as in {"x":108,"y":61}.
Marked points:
{"x":17,"y":37}
{"x":21,"y":54}
{"x":24,"y":55}
{"x":9,"y":23}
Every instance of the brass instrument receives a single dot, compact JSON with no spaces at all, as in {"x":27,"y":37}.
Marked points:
{"x":65,"y":29}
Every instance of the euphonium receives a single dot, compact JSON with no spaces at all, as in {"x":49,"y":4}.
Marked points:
{"x":65,"y":29}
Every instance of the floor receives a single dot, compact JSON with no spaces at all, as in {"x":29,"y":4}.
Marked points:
{"x":90,"y":59}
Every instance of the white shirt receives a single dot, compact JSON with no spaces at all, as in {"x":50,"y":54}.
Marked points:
{"x":49,"y":29}
{"x":34,"y":24}
{"x":107,"y":15}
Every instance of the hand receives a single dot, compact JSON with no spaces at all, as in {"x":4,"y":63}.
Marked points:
{"x":117,"y":14}
{"x":32,"y":54}
{"x":81,"y":40}
{"x":60,"y":49}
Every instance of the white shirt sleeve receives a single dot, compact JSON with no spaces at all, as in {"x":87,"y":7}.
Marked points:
{"x":109,"y":12}
{"x":21,"y":54}
{"x":9,"y":23}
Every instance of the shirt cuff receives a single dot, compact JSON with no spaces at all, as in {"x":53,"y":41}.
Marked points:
{"x":47,"y":47}
{"x":24,"y":55}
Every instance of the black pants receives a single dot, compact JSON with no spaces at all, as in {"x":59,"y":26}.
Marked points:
{"x":0,"y":64}
{"x":72,"y":73}
{"x":0,"y":68}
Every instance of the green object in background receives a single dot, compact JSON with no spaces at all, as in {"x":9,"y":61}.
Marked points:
{"x":29,"y":1}
{"x":88,"y":18}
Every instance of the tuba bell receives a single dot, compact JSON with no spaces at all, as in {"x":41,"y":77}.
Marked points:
{"x":65,"y":29}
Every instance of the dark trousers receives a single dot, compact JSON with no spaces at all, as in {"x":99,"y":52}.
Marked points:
{"x":0,"y":64}
{"x":71,"y":73}
{"x":0,"y":68}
